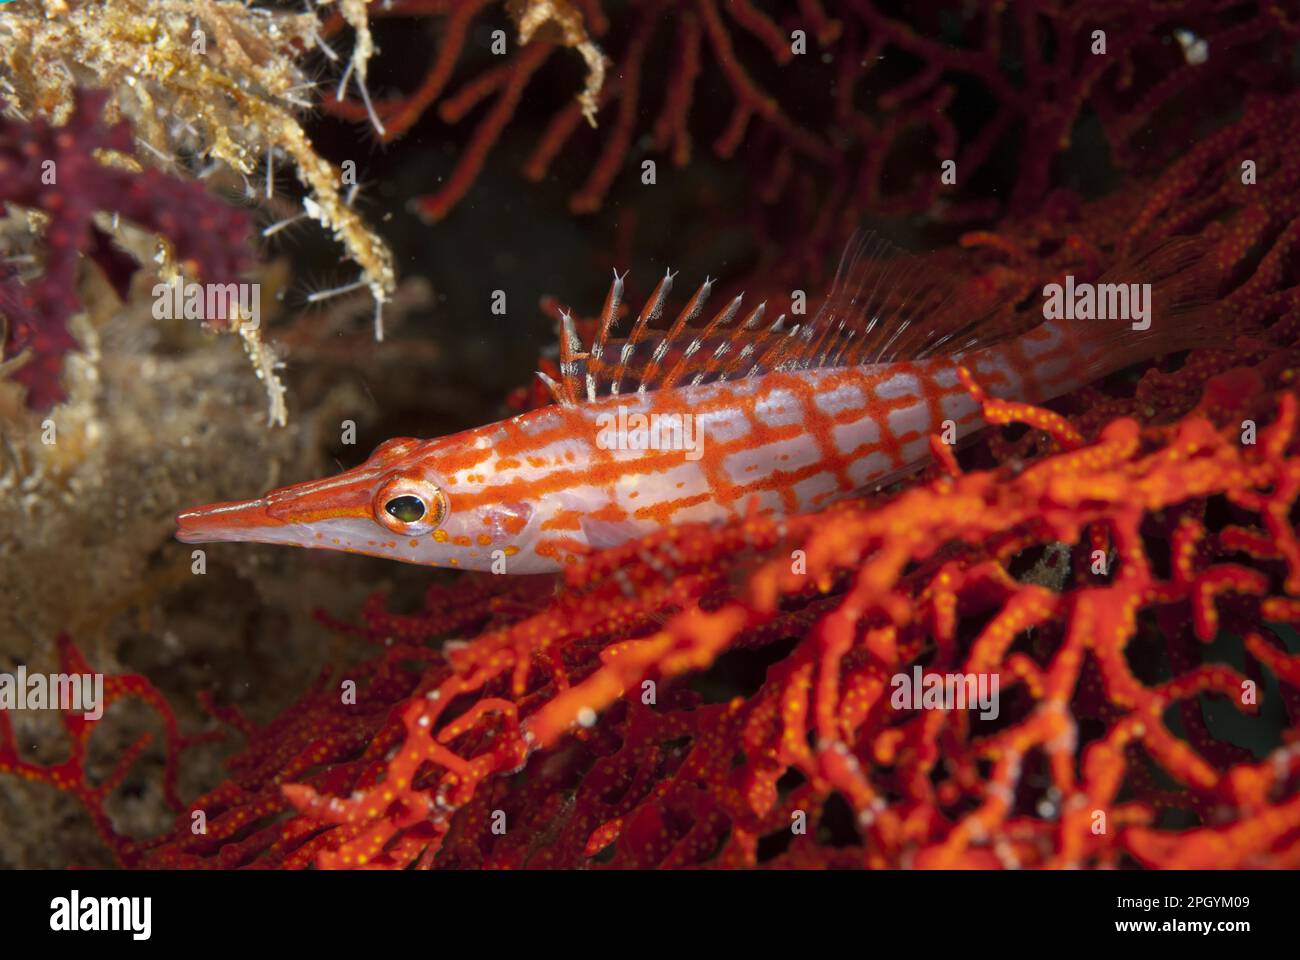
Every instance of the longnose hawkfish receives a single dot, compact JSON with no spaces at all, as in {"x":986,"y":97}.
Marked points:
{"x":702,"y":423}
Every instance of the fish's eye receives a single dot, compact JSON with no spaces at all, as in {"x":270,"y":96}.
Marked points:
{"x":407,"y":508}
{"x":410,"y":506}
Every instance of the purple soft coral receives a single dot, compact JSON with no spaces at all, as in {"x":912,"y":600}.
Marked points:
{"x":55,"y":170}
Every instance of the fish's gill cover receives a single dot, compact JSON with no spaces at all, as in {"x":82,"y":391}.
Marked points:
{"x":1126,"y":561}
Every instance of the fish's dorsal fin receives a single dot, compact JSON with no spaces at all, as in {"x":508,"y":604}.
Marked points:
{"x":884,"y":306}
{"x":888,"y":306}
{"x":689,"y":312}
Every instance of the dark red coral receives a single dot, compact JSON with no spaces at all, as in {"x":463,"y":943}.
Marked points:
{"x":859,"y":122}
{"x":55,"y":171}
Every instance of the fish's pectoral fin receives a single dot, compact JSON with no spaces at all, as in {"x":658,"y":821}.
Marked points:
{"x":604,"y":534}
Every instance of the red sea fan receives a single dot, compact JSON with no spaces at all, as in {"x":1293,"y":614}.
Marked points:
{"x":56,"y":172}
{"x":71,"y":774}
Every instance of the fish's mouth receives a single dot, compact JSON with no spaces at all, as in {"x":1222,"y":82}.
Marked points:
{"x":238,"y":520}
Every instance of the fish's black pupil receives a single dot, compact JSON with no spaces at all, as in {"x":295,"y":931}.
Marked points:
{"x":408,"y":509}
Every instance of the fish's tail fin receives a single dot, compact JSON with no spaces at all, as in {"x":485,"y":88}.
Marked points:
{"x":1154,"y":302}
{"x":1184,"y":292}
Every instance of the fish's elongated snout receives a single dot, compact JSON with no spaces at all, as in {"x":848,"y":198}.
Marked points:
{"x":234,"y":521}
{"x":294,"y":514}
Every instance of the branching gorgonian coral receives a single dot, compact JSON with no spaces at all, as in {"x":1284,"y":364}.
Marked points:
{"x":53,"y":183}
{"x":206,"y":83}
